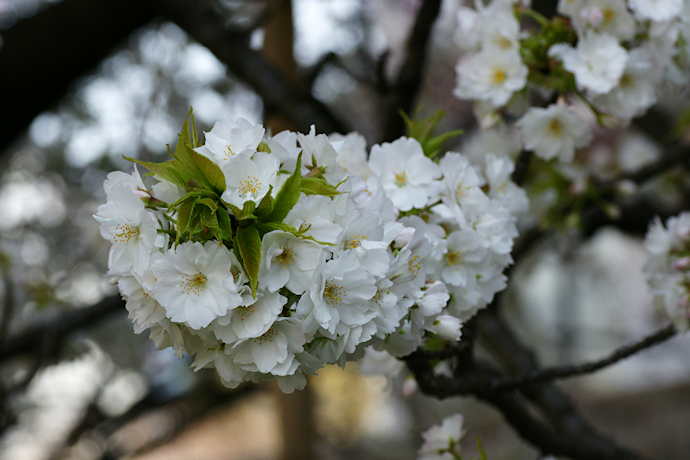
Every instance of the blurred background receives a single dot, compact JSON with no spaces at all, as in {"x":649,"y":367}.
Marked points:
{"x":84,"y":83}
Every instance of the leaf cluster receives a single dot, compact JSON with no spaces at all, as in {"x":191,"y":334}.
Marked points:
{"x":202,"y":215}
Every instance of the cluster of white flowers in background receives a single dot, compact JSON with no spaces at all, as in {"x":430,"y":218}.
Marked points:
{"x":270,"y":256}
{"x":613,"y":55}
{"x":442,"y":442}
{"x":668,"y":269}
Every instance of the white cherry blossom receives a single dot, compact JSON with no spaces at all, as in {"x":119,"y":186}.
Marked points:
{"x":195,"y":283}
{"x":406,"y":174}
{"x":597,"y":62}
{"x":250,"y":178}
{"x":554,"y":131}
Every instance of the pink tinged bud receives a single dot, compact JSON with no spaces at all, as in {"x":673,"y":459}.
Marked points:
{"x":141,"y":193}
{"x":682,"y":264}
{"x":595,"y":16}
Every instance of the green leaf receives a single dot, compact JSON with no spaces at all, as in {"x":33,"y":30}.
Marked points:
{"x":195,"y":135}
{"x":287,"y":196}
{"x":271,"y":226}
{"x":169,"y":171}
{"x":184,"y":135}
{"x":209,"y":220}
{"x":266,"y":227}
{"x":266,"y":204}
{"x":225,"y":224}
{"x":209,"y":203}
{"x":203,"y":170}
{"x":210,"y":170}
{"x":317,"y":186}
{"x":423,"y":132}
{"x":248,"y":209}
{"x":263,"y":147}
{"x":481,"y":450}
{"x":184,"y":214}
{"x":248,"y":242}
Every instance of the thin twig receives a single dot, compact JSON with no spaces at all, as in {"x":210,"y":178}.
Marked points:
{"x":550,"y":374}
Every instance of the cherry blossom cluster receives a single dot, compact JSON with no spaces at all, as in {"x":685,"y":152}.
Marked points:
{"x":605,"y":57}
{"x":668,"y":268}
{"x":270,"y":256}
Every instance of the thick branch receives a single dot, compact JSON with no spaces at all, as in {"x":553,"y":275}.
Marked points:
{"x":207,"y":26}
{"x":42,"y":55}
{"x":570,"y":443}
{"x":58,"y":326}
{"x":521,"y":166}
{"x":555,"y":405}
{"x":405,"y":89}
{"x":548,"y":440}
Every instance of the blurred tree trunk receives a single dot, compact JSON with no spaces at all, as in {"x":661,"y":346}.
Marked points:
{"x":296,"y":415}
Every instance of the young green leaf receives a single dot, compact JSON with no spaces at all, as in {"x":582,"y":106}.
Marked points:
{"x":266,"y":204}
{"x":225,"y":224}
{"x":210,"y":170}
{"x":209,"y":203}
{"x":317,"y":186}
{"x":287,"y":196}
{"x":170,"y":171}
{"x":184,"y":214}
{"x":248,"y":242}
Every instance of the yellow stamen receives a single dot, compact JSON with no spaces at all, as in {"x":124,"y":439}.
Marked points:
{"x":334,"y":294}
{"x":125,"y":233}
{"x":193,"y":284}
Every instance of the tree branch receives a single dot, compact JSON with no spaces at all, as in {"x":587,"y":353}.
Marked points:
{"x":554,"y":404}
{"x":521,"y":167}
{"x":575,"y":444}
{"x":42,"y":55}
{"x":58,"y":326}
{"x":549,"y":374}
{"x":404,"y":92}
{"x":207,"y":26}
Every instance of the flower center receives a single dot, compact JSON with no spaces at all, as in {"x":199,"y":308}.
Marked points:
{"x":460,"y":191}
{"x":235,"y":273}
{"x":334,"y":294}
{"x":125,"y":232}
{"x":414,"y":265}
{"x":249,"y":187}
{"x":400,"y":178}
{"x":626,"y":81}
{"x":608,"y":16}
{"x":454,"y":258}
{"x":503,"y":42}
{"x":499,"y":76}
{"x":555,"y":128}
{"x":285,"y":258}
{"x":193,"y":284}
{"x":267,"y":337}
{"x":245,"y":312}
{"x":356,"y":241}
{"x":228,"y":152}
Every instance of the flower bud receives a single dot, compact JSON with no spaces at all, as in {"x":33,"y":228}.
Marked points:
{"x":447,"y":327}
